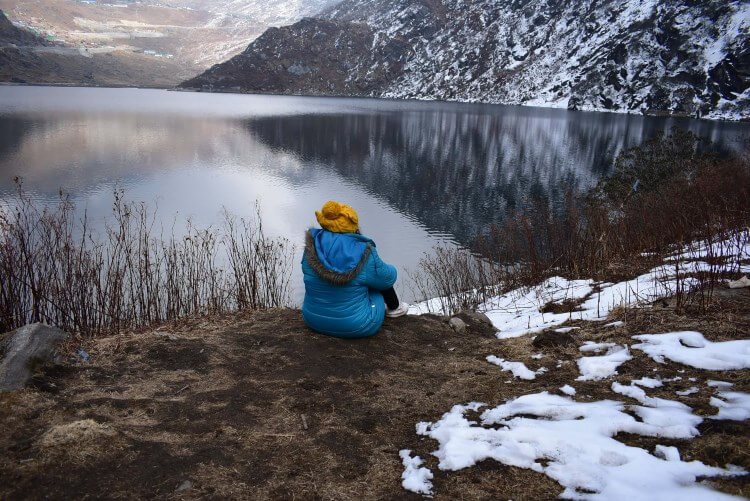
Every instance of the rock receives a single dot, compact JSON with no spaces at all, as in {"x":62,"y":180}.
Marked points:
{"x":477,"y":323}
{"x":740,"y":283}
{"x":476,"y":315}
{"x":457,"y":325}
{"x":184,"y":486}
{"x":24,"y":349}
{"x":552,"y":339}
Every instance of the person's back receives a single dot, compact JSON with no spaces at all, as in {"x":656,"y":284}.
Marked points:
{"x":345,"y":279}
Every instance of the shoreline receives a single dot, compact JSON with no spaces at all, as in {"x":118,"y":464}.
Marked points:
{"x":654,"y":113}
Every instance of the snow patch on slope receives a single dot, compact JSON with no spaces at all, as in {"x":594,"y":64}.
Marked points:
{"x":691,"y":348}
{"x":572,"y":443}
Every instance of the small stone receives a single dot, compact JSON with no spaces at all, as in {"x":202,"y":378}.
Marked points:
{"x":184,"y":486}
{"x":457,"y":324}
{"x":552,"y":340}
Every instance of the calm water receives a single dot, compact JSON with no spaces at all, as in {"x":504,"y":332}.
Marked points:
{"x":418,"y":173}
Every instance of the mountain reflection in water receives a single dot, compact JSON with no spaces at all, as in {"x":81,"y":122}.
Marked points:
{"x":457,"y":172}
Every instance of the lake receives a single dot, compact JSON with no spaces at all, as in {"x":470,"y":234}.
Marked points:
{"x":418,"y":173}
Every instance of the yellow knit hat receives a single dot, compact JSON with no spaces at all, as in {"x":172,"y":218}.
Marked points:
{"x":338,"y":218}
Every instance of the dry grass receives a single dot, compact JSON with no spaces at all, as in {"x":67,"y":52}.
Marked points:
{"x":219,"y":402}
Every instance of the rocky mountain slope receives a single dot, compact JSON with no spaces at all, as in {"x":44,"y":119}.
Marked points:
{"x":11,"y":34}
{"x":27,"y":57}
{"x":681,"y":57}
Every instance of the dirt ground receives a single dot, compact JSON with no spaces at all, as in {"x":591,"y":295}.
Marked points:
{"x":256,"y":406}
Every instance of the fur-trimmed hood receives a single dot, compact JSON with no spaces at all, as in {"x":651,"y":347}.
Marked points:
{"x":336,"y":257}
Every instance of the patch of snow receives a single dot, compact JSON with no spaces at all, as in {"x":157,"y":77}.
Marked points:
{"x":630,"y":391}
{"x":673,"y":418}
{"x":575,"y":441}
{"x":733,"y":405}
{"x":667,"y":453}
{"x":564,"y":330}
{"x":568,"y":390}
{"x":537,"y":356}
{"x":648,"y":382}
{"x":603,"y":366}
{"x":719,"y":384}
{"x":519,"y":311}
{"x":618,"y":323}
{"x":691,"y":348}
{"x":595,"y":347}
{"x":518,"y":369}
{"x":689,"y":391}
{"x":415,"y":477}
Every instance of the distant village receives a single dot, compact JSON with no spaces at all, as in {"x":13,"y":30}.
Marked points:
{"x":42,"y":29}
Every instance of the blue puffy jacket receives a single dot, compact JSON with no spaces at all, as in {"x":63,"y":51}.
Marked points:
{"x":343,"y":274}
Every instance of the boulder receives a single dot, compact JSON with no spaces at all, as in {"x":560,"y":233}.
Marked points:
{"x":477,"y":316}
{"x":457,"y":325}
{"x":476,"y":322}
{"x":24,"y":349}
{"x":739,"y":283}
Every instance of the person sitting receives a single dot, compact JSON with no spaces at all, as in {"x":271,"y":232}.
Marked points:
{"x":348,"y":288}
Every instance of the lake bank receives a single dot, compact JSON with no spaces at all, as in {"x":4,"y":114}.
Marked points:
{"x":255,"y":405}
{"x":655,"y":114}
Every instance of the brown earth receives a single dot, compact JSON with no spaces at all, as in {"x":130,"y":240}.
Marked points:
{"x":257,"y":406}
{"x":114,"y":69}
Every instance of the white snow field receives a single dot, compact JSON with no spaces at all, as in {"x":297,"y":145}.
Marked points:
{"x":574,"y":442}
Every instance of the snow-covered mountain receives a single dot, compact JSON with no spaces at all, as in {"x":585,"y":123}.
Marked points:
{"x":680,"y":56}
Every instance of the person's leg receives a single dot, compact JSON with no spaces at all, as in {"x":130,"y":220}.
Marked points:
{"x":391,"y":299}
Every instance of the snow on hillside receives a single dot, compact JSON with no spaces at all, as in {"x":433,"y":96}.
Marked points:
{"x":578,"y":441}
{"x":618,"y":56}
{"x":521,"y":311}
{"x":682,"y":57}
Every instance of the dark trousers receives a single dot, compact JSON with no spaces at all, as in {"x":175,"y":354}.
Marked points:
{"x":391,"y":299}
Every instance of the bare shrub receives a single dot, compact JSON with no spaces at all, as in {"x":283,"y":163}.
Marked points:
{"x":456,"y":278}
{"x":55,"y":269}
